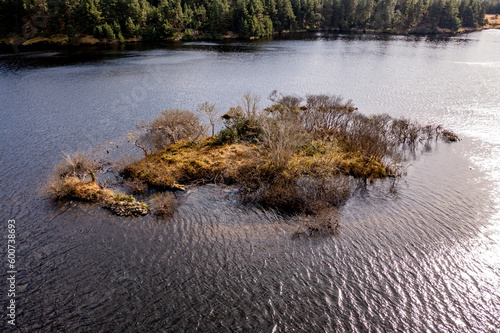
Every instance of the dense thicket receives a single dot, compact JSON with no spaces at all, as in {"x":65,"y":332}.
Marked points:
{"x":162,"y":19}
{"x":492,"y":6}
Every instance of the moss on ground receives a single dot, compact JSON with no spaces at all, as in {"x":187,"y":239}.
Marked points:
{"x":192,"y":162}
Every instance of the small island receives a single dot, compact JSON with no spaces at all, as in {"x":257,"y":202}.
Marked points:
{"x":299,"y":155}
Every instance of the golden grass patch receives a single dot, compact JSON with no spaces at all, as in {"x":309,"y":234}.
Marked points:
{"x":493,"y":21}
{"x":187,"y":162}
{"x":76,"y":189}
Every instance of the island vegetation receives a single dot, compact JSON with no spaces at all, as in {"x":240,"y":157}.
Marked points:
{"x":105,"y":21}
{"x":299,"y":155}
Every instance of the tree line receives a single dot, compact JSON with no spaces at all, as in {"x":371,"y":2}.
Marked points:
{"x":492,"y":6}
{"x":212,"y":19}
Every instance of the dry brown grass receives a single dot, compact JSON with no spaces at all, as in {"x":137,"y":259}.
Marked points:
{"x":89,"y":40}
{"x":54,"y":39}
{"x":77,"y":165}
{"x":73,"y":188}
{"x":309,"y":182}
{"x":74,"y":179}
{"x":70,"y":181}
{"x":493,"y":21}
{"x":188,"y":162}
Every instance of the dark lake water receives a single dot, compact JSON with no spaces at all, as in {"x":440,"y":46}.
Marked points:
{"x":423,"y":258}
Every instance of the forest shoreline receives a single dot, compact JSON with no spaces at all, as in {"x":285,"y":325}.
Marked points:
{"x":18,"y":44}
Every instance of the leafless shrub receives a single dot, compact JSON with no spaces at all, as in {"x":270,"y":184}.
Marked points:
{"x":282,"y":137}
{"x":78,"y":165}
{"x":377,"y":138}
{"x":294,"y":193}
{"x":429,"y":132}
{"x":164,"y":204}
{"x":287,"y":101}
{"x":74,"y":179}
{"x":72,"y":188}
{"x":368,"y":135}
{"x":324,"y":112}
{"x":169,"y":127}
{"x":320,"y":193}
{"x":290,"y":101}
{"x":405,"y":131}
{"x":250,"y":105}
{"x":208,"y":109}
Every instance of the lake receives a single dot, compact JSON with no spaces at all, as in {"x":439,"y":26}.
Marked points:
{"x":424,"y":256}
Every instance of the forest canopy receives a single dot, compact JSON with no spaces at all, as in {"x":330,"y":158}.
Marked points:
{"x":212,"y":19}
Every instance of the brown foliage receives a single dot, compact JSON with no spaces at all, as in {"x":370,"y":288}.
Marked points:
{"x":78,"y":165}
{"x":168,"y":128}
{"x":72,"y":188}
{"x":74,"y":179}
{"x":186,"y":162}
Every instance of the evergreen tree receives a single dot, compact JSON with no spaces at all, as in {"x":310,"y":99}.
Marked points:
{"x":130,"y":28}
{"x":161,"y":19}
{"x":107,"y":32}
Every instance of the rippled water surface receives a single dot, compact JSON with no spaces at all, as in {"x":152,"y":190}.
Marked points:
{"x":425,"y":257}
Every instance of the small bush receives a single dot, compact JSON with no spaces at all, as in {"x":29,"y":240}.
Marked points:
{"x":168,"y":128}
{"x":78,"y":166}
{"x":282,"y":137}
{"x":72,"y":188}
{"x":164,"y":204}
{"x":246,"y":119}
{"x":294,"y":193}
{"x":74,"y":179}
{"x":227,"y":136}
{"x":245,"y":128}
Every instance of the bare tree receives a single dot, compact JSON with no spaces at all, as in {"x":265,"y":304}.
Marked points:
{"x":209,"y":110}
{"x":249,"y":104}
{"x":166,"y":129}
